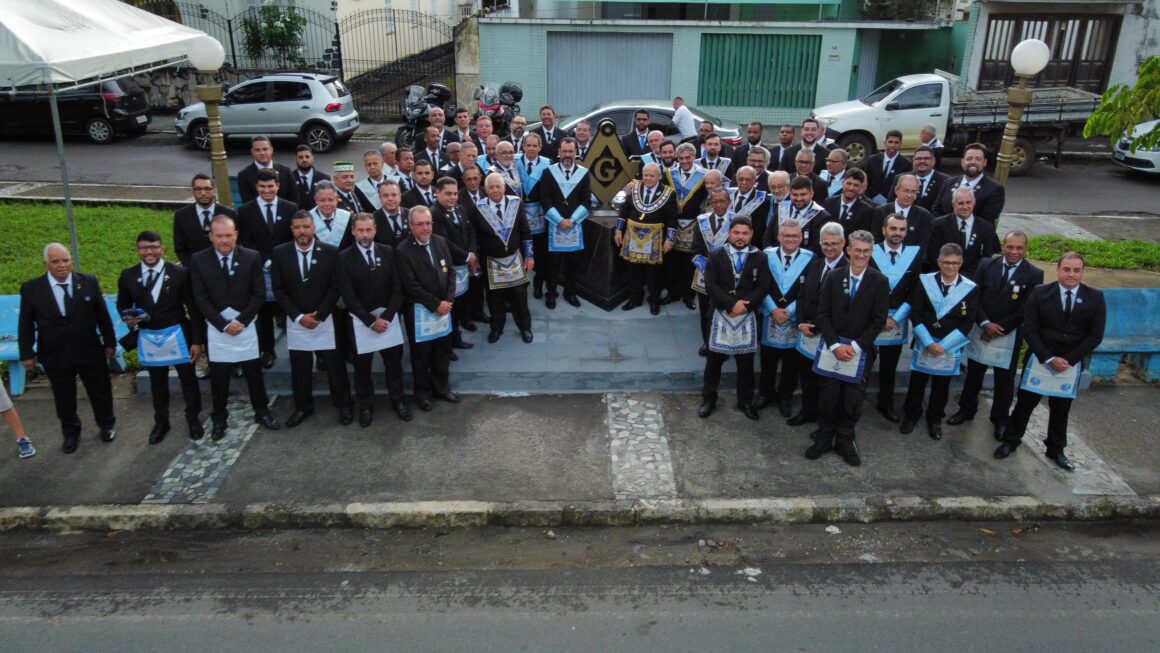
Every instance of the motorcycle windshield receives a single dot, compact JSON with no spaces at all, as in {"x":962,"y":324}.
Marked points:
{"x":489,"y":96}
{"x":414,"y":95}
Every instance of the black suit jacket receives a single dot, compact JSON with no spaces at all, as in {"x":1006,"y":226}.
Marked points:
{"x":549,"y":195}
{"x":488,"y":243}
{"x":303,"y":196}
{"x":385,"y":233}
{"x":318,"y":293}
{"x":821,"y":188}
{"x":466,"y":200}
{"x":1049,"y":332}
{"x":63,"y":341}
{"x":423,"y":282}
{"x":858,"y":217}
{"x":753,"y":285}
{"x":459,"y":233}
{"x":820,"y":152}
{"x":254,"y":233}
{"x":248,"y":180}
{"x":927,"y":195}
{"x":174,"y":305}
{"x":811,"y":290}
{"x":547,"y":149}
{"x":903,"y":291}
{"x":214,"y":291}
{"x":860,"y":320}
{"x":424,"y":155}
{"x":918,"y":222}
{"x":879,"y":183}
{"x":364,"y":289}
{"x":989,"y":198}
{"x":414,"y":197}
{"x":631,"y":144}
{"x":1002,"y":300}
{"x":960,"y":317}
{"x":741,"y":153}
{"x":189,"y":236}
{"x":981,"y":242}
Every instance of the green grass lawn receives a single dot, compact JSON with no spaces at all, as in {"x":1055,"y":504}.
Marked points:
{"x":1113,"y":255}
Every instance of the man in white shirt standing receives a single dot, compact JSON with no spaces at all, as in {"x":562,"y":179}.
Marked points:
{"x":683,"y":118}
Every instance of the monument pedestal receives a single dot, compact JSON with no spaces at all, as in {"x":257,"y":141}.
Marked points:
{"x":601,"y":274}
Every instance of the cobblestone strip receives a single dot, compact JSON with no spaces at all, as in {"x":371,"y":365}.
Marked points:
{"x":642,"y":465}
{"x":197,"y":472}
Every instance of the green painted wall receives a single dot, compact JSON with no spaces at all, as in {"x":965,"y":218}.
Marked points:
{"x":908,"y":52}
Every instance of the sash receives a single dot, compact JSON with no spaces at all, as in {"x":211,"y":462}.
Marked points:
{"x":946,"y":365}
{"x":513,"y":182}
{"x":733,"y":335}
{"x":808,"y":346}
{"x":529,"y":181}
{"x":333,"y":235}
{"x":995,"y":353}
{"x":462,"y":277}
{"x":320,"y":338}
{"x":714,"y":241}
{"x":371,"y":191}
{"x":943,"y":305}
{"x":683,"y":237}
{"x":749,"y":207}
{"x":429,"y":326}
{"x":566,"y":240}
{"x":696,"y":178}
{"x":502,"y":225}
{"x":643,"y":243}
{"x":834,"y":184}
{"x":698,"y":285}
{"x":506,"y":272}
{"x":786,"y":278}
{"x":162,"y":347}
{"x":1042,"y":380}
{"x":567,"y":185}
{"x":827,"y":364}
{"x":895,"y":272}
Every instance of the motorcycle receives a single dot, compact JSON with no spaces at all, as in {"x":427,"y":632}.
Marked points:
{"x":501,"y":106}
{"x":417,"y":103}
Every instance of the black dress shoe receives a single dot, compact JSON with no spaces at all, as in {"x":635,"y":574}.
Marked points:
{"x":1062,"y":461}
{"x":759,"y":402}
{"x":468,"y":325}
{"x":268,"y":422}
{"x":158,"y":433}
{"x":538,"y":292}
{"x":459,"y":343}
{"x":629,"y":305}
{"x":527,"y":336}
{"x":748,"y":410}
{"x":1004,"y":450}
{"x":345,"y":416}
{"x":703,"y":351}
{"x":268,"y":359}
{"x":196,"y":431}
{"x":107,"y":435}
{"x":366,"y":416}
{"x":451,"y":397}
{"x":572,"y":300}
{"x":849,"y":455}
{"x":70,"y":445}
{"x":219,"y":432}
{"x":550,"y":302}
{"x":907,"y":426}
{"x":454,"y":356}
{"x":887,"y":411}
{"x":482,"y":317}
{"x":403,"y":410}
{"x":818,"y":449}
{"x":690,"y":304}
{"x":934,"y":431}
{"x":785,"y":406}
{"x":706,"y":408}
{"x":959,"y":418}
{"x":296,"y":418}
{"x":654,"y":308}
{"x":424,"y":405}
{"x":493,"y":337}
{"x":801,"y":418}
{"x":1000,"y":431}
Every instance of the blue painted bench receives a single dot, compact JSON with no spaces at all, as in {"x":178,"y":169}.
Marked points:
{"x":10,"y":347}
{"x":1133,"y":329}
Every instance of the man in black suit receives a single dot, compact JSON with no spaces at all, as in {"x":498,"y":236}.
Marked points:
{"x":1005,"y":283}
{"x":228,"y":281}
{"x":565,"y":193}
{"x":516,"y":131}
{"x":635,"y":142}
{"x":462,"y":128}
{"x":428,"y":282}
{"x":306,"y":286}
{"x":736,"y":281}
{"x":850,"y":208}
{"x":422,"y":193}
{"x":714,"y":157}
{"x":943,"y":308}
{"x":806,"y":211}
{"x":368,"y":281}
{"x":837,"y":167}
{"x":651,"y":212}
{"x":781,"y":155}
{"x":832,"y":260}
{"x":787,"y":262}
{"x":918,"y":219}
{"x":930,"y":180}
{"x":550,"y":134}
{"x":811,"y":142}
{"x":705,"y":131}
{"x":343,"y":184}
{"x":305,"y":176}
{"x":853,"y":307}
{"x":688,"y":183}
{"x":191,"y":223}
{"x":989,"y":195}
{"x":1063,"y":323}
{"x":753,"y":135}
{"x":448,"y":222}
{"x":902,"y":265}
{"x":264,"y":222}
{"x":263,"y":153}
{"x":431,"y":150}
{"x":975,"y":236}
{"x":367,"y":188}
{"x":471,"y":193}
{"x":164,"y":292}
{"x":406,"y":160}
{"x":804,"y":164}
{"x":65,"y":324}
{"x":504,"y":243}
{"x":882,"y":167}
{"x":391,"y":220}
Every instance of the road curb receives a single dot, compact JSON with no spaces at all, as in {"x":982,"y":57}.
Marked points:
{"x":471,"y":514}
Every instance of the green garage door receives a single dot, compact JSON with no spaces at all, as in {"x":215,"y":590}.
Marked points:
{"x":759,"y":70}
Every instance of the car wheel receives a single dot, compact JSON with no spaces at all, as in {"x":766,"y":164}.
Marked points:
{"x":320,"y":138}
{"x":858,"y":146}
{"x":199,"y":134}
{"x":1022,"y":157}
{"x":100,"y":131}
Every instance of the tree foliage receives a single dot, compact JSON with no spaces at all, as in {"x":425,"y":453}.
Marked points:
{"x":274,"y":31}
{"x":899,"y":9}
{"x":1123,"y":107}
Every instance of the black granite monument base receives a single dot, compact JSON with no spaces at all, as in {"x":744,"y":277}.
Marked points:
{"x":601,"y":274}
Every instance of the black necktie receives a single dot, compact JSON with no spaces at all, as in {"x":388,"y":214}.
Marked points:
{"x":326,"y":222}
{"x":1067,"y":303}
{"x":430,"y":256}
{"x":370,"y":259}
{"x":205,"y":220}
{"x":740,"y":202}
{"x":893,"y":257}
{"x":305,"y":264}
{"x":945,"y":287}
{"x":65,"y":295}
{"x":226,"y":266}
{"x":301,"y":181}
{"x":963,"y":232}
{"x":396,"y":225}
{"x":427,"y":195}
{"x":454,"y":217}
{"x":150,"y":280}
{"x":270,"y":216}
{"x":716,"y":223}
{"x":529,"y":167}
{"x":498,"y":210}
{"x":788,"y":260}
{"x":568,"y":174}
{"x":647,"y":196}
{"x":922,"y":191}
{"x":845,"y":211}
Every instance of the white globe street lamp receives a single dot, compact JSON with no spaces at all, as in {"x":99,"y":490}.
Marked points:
{"x":1028,"y":59}
{"x":207,"y":56}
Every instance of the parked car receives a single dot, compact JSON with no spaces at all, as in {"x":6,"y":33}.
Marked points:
{"x":660,"y":114}
{"x":99,"y":112}
{"x":1141,"y":160}
{"x":316,"y":109}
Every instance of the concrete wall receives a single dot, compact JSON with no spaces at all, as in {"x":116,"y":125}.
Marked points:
{"x":1139,"y":38}
{"x":908,"y":52}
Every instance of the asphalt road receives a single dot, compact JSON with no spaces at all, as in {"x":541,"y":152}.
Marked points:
{"x":893,"y":587}
{"x":159,"y":158}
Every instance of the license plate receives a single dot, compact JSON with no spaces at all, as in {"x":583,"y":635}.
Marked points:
{"x":141,"y":119}
{"x":1119,"y":156}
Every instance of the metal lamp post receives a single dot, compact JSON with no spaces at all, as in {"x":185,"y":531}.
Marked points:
{"x":207,"y":55}
{"x":1028,"y":58}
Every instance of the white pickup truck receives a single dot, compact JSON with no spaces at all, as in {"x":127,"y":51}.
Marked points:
{"x":907,"y":103}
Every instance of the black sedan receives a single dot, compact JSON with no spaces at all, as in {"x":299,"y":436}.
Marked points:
{"x":98,"y":112}
{"x":660,"y":114}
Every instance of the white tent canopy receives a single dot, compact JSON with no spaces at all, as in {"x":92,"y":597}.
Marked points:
{"x":65,"y":41}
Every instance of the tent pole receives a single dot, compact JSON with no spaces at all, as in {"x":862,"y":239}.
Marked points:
{"x":68,"y":207}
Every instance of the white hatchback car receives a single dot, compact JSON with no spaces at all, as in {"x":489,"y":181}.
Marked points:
{"x":1141,"y":160}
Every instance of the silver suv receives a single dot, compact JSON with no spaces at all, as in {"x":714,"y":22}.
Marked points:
{"x":316,"y":109}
